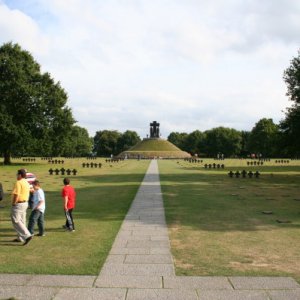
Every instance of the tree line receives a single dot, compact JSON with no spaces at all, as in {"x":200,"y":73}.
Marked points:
{"x":262,"y":140}
{"x":35,"y":120}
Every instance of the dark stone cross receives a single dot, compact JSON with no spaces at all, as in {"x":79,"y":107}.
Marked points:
{"x":154,"y":130}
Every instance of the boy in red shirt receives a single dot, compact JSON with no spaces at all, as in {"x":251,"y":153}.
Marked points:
{"x":69,"y":198}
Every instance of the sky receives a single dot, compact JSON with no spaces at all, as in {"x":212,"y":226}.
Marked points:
{"x":190,"y":65}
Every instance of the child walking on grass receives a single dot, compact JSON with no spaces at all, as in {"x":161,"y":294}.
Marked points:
{"x":38,"y":209}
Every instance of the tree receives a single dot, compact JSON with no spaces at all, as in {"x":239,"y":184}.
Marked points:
{"x":33,"y":109}
{"x":178,"y":139}
{"x":79,"y":143}
{"x":106,"y":142}
{"x":223,"y":140}
{"x":264,"y":138}
{"x":291,"y":124}
{"x":244,"y":143}
{"x":194,"y":142}
{"x":127,"y":140}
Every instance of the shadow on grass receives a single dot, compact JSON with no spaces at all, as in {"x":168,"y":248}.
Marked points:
{"x":215,"y":202}
{"x":103,"y":199}
{"x":99,"y":198}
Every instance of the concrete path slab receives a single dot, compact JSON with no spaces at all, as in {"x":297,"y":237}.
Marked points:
{"x":27,"y":292}
{"x":161,"y":294}
{"x":137,"y":269}
{"x":148,"y":259}
{"x":14,"y":279}
{"x":233,"y":295}
{"x":62,"y":281}
{"x":130,"y":281}
{"x":91,"y":294}
{"x":197,"y":282}
{"x":263,"y":283}
{"x":285,"y":294}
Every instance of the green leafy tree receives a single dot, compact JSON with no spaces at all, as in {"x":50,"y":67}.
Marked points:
{"x":106,"y":142}
{"x":79,"y":143}
{"x":178,"y":139}
{"x":291,"y":124}
{"x":223,"y":140}
{"x":33,"y":109}
{"x":263,"y":138}
{"x":195,"y":142}
{"x":244,"y":143}
{"x":127,"y":140}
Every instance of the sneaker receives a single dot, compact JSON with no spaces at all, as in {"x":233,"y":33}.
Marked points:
{"x":41,"y":234}
{"x":27,"y":240}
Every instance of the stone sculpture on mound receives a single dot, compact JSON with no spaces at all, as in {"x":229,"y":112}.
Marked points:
{"x":154,"y":130}
{"x":154,"y":147}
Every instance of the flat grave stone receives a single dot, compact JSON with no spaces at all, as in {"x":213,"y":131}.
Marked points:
{"x":283,"y":221}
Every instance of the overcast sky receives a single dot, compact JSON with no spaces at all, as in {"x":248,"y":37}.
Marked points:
{"x":189,"y":64}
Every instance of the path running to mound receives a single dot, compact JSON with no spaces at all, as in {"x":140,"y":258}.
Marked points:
{"x":140,"y":266}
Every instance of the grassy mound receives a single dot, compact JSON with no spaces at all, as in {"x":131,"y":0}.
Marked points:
{"x":149,"y":148}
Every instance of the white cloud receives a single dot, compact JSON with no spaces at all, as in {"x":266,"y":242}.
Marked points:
{"x":17,"y":26}
{"x":188,"y":64}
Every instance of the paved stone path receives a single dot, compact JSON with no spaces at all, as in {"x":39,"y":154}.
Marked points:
{"x":140,"y":266}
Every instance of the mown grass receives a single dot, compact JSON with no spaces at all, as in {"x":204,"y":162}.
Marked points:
{"x":154,"y":145}
{"x":216,"y":223}
{"x":155,"y":148}
{"x":103,"y":199}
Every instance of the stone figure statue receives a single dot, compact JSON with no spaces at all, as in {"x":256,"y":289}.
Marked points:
{"x":154,"y":130}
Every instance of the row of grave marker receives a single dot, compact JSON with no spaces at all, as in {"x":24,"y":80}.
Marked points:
{"x":244,"y":174}
{"x":92,"y":165}
{"x":193,"y":160}
{"x":255,"y":163}
{"x":114,"y":160}
{"x":214,"y":166}
{"x":62,"y":171}
{"x":56,"y":161}
{"x":29,"y":159}
{"x":282,"y":161}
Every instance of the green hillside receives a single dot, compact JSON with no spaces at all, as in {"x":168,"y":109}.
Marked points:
{"x":149,"y":148}
{"x":154,"y":145}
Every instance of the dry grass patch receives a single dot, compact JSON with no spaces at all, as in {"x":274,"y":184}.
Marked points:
{"x":217,"y":225}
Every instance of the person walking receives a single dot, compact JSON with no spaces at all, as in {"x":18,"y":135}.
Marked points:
{"x":1,"y":192}
{"x":38,"y":209}
{"x":69,"y":199}
{"x":20,"y":196}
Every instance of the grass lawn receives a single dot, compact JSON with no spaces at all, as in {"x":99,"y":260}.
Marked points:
{"x":103,"y":199}
{"x":216,"y":224}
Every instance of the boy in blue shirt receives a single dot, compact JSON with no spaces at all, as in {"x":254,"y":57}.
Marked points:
{"x":38,"y":209}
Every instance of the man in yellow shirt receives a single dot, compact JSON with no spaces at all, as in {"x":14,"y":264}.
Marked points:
{"x":20,"y":196}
